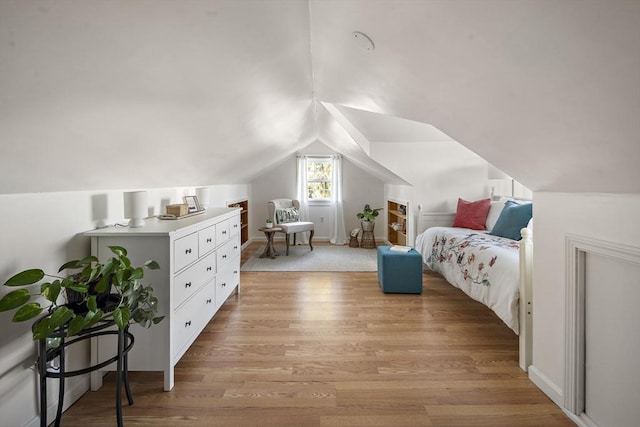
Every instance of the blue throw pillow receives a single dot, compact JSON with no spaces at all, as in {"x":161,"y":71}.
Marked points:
{"x":513,"y":218}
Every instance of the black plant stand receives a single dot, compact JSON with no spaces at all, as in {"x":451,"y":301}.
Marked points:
{"x":45,"y":355}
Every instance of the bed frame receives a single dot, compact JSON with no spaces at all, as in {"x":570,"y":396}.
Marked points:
{"x":525,"y":310}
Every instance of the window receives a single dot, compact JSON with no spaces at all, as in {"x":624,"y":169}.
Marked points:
{"x":319,"y":184}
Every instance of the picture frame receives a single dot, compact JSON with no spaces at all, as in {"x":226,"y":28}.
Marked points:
{"x":193,"y":203}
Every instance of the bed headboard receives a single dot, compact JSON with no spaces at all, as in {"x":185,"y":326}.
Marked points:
{"x":445,"y":219}
{"x":434,"y":219}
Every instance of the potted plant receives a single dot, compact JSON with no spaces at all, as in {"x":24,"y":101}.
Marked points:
{"x":368,"y":214}
{"x":268,"y":223}
{"x":115,"y":282}
{"x":368,"y":218}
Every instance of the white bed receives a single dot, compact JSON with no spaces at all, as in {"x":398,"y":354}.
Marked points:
{"x":483,"y":266}
{"x":493,"y":270}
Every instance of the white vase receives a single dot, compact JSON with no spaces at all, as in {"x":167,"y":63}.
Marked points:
{"x":269,"y":225}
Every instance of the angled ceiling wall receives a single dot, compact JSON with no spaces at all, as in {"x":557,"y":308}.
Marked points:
{"x":148,"y":93}
{"x":124,"y":94}
{"x":548,"y":91}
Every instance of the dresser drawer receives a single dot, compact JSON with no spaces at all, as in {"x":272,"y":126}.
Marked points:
{"x":187,"y":283}
{"x":227,"y":252}
{"x":206,"y":240}
{"x":222,"y":231}
{"x":207,"y":266}
{"x":187,"y":320}
{"x":226,"y":281}
{"x":236,"y":247}
{"x":209,"y":306}
{"x":234,"y":225}
{"x":185,"y":251}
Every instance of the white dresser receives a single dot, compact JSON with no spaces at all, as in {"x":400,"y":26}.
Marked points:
{"x":199,"y":259}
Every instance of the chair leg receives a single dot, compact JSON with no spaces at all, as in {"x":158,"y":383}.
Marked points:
{"x":286,"y":238}
{"x":310,"y":238}
{"x":294,"y":239}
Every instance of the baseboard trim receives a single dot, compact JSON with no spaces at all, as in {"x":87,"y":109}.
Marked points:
{"x":580,"y":421}
{"x":547,"y":386}
{"x":73,"y":393}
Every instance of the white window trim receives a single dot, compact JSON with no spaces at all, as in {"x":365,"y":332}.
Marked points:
{"x":328,"y":159}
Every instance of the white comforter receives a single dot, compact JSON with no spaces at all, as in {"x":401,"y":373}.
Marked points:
{"x":485,"y":267}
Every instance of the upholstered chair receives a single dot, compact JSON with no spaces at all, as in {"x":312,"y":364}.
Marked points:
{"x":283,"y":214}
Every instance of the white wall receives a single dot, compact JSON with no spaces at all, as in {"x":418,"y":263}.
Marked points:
{"x":512,"y":80}
{"x":174,"y":84}
{"x":359,"y":188}
{"x":608,"y":217}
{"x":44,"y":230}
{"x":439,"y":172}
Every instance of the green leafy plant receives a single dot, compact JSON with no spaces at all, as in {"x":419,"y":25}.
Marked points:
{"x":133,"y":301}
{"x":368,"y":214}
{"x":268,"y":221}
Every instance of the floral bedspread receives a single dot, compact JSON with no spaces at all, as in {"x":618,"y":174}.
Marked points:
{"x":483,"y":266}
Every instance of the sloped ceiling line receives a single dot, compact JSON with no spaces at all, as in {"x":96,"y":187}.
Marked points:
{"x":202,"y":92}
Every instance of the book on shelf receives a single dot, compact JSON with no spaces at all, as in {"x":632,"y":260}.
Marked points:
{"x":400,"y":248}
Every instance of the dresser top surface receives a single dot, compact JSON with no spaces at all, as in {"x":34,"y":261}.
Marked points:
{"x":159,"y":227}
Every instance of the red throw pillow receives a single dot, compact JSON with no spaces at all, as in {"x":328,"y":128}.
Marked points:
{"x":472,"y":214}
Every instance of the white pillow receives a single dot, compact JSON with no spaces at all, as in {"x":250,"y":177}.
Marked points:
{"x":494,"y":213}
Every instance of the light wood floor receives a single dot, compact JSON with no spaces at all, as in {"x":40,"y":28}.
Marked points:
{"x":330,"y":349}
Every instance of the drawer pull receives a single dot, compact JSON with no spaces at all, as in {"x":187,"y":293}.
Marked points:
{"x":209,"y":268}
{"x":224,"y":256}
{"x":235,"y":225}
{"x":224,"y":231}
{"x":187,"y":285}
{"x":187,"y":323}
{"x":188,"y":251}
{"x":209,"y":240}
{"x":224,"y":284}
{"x":235,"y":247}
{"x":209,"y":301}
{"x":235,"y":271}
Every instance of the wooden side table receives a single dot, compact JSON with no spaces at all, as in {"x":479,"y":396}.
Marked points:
{"x":270,"y":250}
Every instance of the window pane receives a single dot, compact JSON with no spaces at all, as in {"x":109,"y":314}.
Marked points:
{"x":319,"y":179}
{"x":318,"y":170}
{"x":319,"y":190}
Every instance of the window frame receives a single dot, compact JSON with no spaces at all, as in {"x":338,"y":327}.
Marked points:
{"x":318,"y":159}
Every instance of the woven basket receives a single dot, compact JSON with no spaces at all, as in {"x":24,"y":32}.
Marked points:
{"x":368,"y":239}
{"x":177,"y":210}
{"x":353,"y":242}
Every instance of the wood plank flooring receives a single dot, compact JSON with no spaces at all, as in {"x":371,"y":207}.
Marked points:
{"x":330,"y":349}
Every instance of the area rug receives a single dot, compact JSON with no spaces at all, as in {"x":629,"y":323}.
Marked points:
{"x":322,"y":258}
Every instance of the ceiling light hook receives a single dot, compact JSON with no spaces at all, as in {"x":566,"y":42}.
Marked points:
{"x":363,"y":41}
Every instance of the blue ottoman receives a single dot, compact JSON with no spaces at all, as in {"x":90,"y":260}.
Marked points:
{"x":399,"y":272}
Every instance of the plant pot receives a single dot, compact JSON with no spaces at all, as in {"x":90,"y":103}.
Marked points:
{"x":368,"y":225}
{"x":368,"y":239}
{"x":75,"y":299}
{"x":269,"y":225}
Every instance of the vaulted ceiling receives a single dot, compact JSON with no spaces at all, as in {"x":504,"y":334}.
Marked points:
{"x":152,"y":93}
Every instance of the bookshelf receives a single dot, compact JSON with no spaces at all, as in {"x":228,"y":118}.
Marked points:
{"x":244,"y":218}
{"x":397,"y":222}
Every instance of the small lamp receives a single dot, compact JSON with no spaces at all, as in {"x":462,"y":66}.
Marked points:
{"x":495,"y":173}
{"x":135,"y":207}
{"x":202,"y":193}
